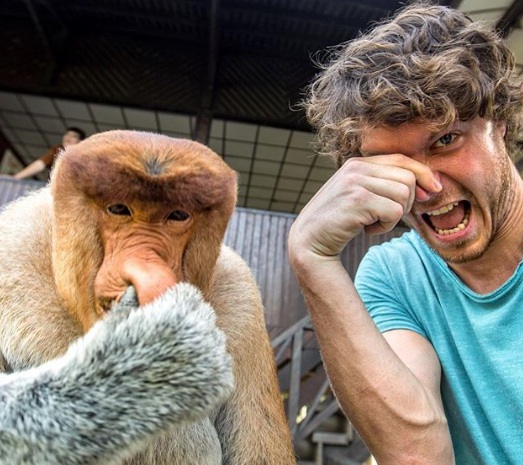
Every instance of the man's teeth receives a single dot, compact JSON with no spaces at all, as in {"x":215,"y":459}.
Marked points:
{"x":459,"y":227}
{"x":444,"y":209}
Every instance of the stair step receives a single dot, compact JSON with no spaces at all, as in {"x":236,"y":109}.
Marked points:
{"x":337,"y":439}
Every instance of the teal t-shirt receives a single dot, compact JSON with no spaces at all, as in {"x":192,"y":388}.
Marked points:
{"x":478,"y":339}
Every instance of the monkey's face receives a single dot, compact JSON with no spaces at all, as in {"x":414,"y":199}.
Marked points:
{"x":143,"y":245}
{"x":154,"y":213}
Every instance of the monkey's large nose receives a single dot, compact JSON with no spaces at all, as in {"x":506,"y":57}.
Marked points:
{"x":150,"y":278}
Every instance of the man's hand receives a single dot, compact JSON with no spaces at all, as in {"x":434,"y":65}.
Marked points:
{"x":370,"y":194}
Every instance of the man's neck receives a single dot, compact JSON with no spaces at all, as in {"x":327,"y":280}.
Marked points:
{"x":487,"y":273}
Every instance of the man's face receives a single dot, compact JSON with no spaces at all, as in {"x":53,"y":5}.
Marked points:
{"x":71,"y":138}
{"x":472,"y":164}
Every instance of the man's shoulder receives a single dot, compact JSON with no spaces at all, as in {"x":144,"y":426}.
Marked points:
{"x":405,"y":256}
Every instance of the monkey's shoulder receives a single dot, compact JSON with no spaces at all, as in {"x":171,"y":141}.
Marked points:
{"x":25,"y":240}
{"x":230,"y":261}
{"x":233,"y":285}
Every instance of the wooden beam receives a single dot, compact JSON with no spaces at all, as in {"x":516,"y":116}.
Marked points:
{"x":510,"y":19}
{"x":205,"y":114}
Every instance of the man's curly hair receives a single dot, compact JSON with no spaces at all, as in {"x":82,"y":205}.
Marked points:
{"x":429,"y":63}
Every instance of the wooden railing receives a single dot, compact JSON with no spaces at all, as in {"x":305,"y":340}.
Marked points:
{"x":313,"y":412}
{"x":303,"y":381}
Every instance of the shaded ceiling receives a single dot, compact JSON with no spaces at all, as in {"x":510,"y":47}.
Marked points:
{"x":229,"y":73}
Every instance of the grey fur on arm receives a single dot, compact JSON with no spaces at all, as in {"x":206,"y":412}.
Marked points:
{"x":136,"y":373}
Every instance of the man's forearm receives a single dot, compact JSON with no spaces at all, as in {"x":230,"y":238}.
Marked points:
{"x":388,"y":405}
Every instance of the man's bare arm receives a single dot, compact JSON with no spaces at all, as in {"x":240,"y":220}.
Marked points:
{"x":390,"y":390}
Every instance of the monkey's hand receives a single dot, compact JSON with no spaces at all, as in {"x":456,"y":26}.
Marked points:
{"x":126,"y":304}
{"x":136,"y":373}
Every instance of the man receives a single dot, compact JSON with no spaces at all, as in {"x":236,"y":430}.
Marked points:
{"x":422,"y":114}
{"x":72,"y":136}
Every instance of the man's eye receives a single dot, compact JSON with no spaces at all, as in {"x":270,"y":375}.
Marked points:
{"x":445,"y":140}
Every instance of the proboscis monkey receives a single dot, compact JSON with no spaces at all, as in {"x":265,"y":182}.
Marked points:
{"x":138,"y":212}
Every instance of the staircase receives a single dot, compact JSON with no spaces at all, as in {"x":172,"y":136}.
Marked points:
{"x":321,"y":433}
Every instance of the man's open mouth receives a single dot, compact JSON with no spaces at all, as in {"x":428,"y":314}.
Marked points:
{"x":450,"y":218}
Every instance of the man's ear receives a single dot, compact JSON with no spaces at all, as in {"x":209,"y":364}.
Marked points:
{"x":502,"y":128}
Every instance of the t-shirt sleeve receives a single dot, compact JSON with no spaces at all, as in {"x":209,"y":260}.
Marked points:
{"x":378,"y":288}
{"x":50,"y":156}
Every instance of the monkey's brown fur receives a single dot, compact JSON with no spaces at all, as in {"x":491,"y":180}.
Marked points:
{"x":64,"y":256}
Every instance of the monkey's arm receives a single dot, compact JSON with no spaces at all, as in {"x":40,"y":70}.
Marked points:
{"x":252,"y":424}
{"x":136,"y":373}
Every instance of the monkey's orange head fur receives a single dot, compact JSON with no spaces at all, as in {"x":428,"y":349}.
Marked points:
{"x":136,"y":208}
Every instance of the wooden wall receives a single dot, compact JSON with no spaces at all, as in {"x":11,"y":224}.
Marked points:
{"x":260,"y":237}
{"x":11,"y":189}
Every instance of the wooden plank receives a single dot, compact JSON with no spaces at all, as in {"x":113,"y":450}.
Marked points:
{"x":327,"y":412}
{"x":294,"y":390}
{"x":335,"y":439}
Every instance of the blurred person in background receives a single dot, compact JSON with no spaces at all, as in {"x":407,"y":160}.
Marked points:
{"x":72,"y":136}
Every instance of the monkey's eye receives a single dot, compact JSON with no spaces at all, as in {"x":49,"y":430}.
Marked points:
{"x":178,"y":215}
{"x":119,"y":209}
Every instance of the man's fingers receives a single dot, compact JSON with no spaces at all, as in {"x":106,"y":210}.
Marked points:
{"x":380,"y":227}
{"x":388,"y":193}
{"x":426,"y":179}
{"x":371,"y":194}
